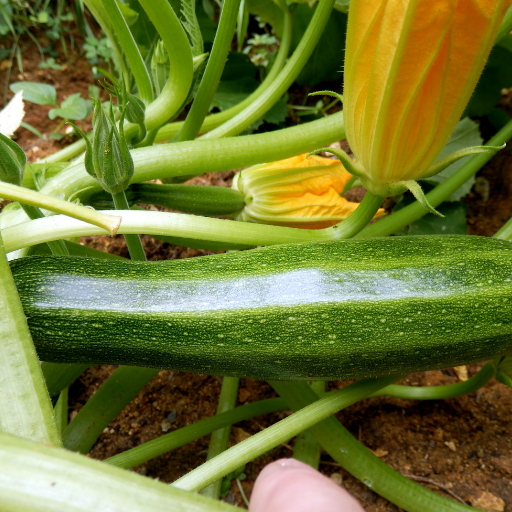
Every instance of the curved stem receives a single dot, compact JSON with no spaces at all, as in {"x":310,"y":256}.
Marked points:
{"x":212,"y":73}
{"x":176,"y":90}
{"x":361,"y":462}
{"x":130,"y":50}
{"x":286,"y":77}
{"x":440,"y":392}
{"x":198,"y":156}
{"x":213,"y":120}
{"x":279,"y":433}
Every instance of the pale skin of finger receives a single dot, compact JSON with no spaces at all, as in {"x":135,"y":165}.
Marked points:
{"x":288,"y":485}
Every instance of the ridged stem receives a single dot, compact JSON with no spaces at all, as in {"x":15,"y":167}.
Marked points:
{"x":279,"y":433}
{"x":36,"y":478}
{"x":61,"y":411}
{"x":107,"y":222}
{"x":361,"y":462}
{"x":56,"y":246}
{"x":219,"y":440}
{"x":25,"y":407}
{"x":286,"y":77}
{"x":212,"y":73}
{"x":198,"y":156}
{"x":110,"y":399}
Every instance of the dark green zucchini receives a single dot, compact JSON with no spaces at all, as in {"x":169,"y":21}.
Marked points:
{"x":323,"y":310}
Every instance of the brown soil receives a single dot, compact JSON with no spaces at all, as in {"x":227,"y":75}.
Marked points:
{"x":459,"y":448}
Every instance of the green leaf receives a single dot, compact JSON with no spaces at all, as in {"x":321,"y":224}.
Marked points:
{"x":74,"y":107}
{"x":453,"y":222}
{"x":231,"y":92}
{"x":191,"y":26}
{"x":268,"y":12}
{"x":279,"y":112}
{"x":40,"y":94}
{"x":466,"y":134}
{"x":327,"y":59}
{"x":497,"y":74}
{"x":129,"y":15}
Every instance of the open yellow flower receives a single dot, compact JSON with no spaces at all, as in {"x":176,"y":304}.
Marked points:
{"x":410,"y":69}
{"x":298,"y":192}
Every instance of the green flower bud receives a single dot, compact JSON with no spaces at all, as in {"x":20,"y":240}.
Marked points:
{"x":12,"y":161}
{"x":135,"y":109}
{"x":108,"y":158}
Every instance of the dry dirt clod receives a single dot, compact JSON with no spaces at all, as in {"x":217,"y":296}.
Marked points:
{"x":488,"y":502}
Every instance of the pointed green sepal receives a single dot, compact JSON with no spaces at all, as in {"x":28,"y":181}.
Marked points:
{"x":349,"y":164}
{"x":442,"y":164}
{"x":12,"y":161}
{"x":89,"y":167}
{"x":327,"y":93}
{"x":418,"y":193}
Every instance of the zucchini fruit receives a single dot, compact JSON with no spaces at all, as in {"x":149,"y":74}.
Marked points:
{"x":320,"y":310}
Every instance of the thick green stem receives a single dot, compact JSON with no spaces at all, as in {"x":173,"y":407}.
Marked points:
{"x":219,"y":440}
{"x":56,"y":246}
{"x":110,"y":399}
{"x":25,"y":407}
{"x":307,"y":449}
{"x":40,"y":478}
{"x":187,"y":158}
{"x":190,"y":226}
{"x":132,"y":241}
{"x":286,"y":77}
{"x":415,"y":211}
{"x":279,"y":433}
{"x":212,"y":73}
{"x":33,"y":198}
{"x":362,"y":463}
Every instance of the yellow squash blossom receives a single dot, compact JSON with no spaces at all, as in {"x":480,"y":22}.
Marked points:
{"x":410,"y":69}
{"x":298,"y":192}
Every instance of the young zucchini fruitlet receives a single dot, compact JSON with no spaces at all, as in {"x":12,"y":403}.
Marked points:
{"x":321,"y":310}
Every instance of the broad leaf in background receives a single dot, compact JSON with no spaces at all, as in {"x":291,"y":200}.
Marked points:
{"x":453,"y":222}
{"x":466,"y":134}
{"x":74,"y":107}
{"x":12,"y":115}
{"x":40,"y":94}
{"x":497,"y":75}
{"x":326,"y":61}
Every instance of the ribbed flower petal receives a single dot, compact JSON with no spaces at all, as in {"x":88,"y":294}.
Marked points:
{"x":411,"y":67}
{"x":298,"y":192}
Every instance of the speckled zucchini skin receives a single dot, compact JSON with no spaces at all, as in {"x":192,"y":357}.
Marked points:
{"x":323,"y":310}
